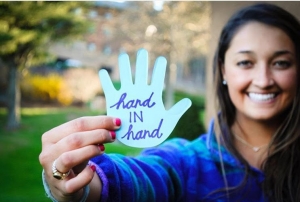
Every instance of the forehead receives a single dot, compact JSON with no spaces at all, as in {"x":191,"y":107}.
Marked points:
{"x":261,"y":37}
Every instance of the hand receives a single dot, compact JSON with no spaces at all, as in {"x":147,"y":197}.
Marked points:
{"x":145,"y":121}
{"x":72,"y":144}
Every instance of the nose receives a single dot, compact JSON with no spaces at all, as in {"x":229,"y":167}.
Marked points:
{"x":262,"y":76}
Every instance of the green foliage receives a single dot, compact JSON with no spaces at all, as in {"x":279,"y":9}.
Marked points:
{"x":26,"y":27}
{"x":191,"y":124}
{"x":50,"y":88}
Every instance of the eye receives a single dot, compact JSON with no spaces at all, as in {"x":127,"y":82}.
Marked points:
{"x":282,"y":64}
{"x":244,"y":64}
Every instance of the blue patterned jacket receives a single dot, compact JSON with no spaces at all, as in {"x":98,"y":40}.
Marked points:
{"x":178,"y":170}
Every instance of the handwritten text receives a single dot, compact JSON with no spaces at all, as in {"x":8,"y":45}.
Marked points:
{"x":142,"y":134}
{"x":134,"y":103}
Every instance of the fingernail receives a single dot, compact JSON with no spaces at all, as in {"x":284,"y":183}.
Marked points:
{"x":113,"y":135}
{"x":93,"y":168}
{"x":101,"y":147}
{"x":117,"y":122}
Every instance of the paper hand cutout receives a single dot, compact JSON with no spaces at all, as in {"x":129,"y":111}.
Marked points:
{"x":145,"y":122}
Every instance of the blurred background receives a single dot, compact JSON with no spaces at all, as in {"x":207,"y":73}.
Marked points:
{"x":50,"y":55}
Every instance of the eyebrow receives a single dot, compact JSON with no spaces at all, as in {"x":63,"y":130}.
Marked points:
{"x":282,"y":52}
{"x":245,"y":51}
{"x":277,"y":53}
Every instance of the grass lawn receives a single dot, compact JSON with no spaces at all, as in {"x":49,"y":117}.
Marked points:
{"x":20,"y":171}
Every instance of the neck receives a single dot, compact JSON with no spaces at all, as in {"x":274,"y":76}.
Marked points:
{"x":254,"y":132}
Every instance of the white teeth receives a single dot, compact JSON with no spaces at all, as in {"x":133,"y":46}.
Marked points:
{"x":261,"y":97}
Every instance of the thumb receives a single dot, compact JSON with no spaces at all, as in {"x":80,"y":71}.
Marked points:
{"x":180,"y":108}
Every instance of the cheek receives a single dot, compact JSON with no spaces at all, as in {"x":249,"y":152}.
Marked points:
{"x":236,"y":89}
{"x":238,"y":81}
{"x":288,"y":82}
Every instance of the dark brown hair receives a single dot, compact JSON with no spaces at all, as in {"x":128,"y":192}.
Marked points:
{"x":281,"y":167}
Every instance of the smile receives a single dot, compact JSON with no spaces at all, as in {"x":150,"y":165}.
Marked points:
{"x":261,"y":97}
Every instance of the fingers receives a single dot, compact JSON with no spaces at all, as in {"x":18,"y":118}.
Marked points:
{"x":81,"y":139}
{"x":141,"y":72}
{"x":180,"y":107}
{"x":75,"y":149}
{"x":125,"y":71}
{"x":71,"y":189}
{"x":79,"y":125}
{"x":67,"y":160}
{"x":106,"y":82}
{"x":159,"y":72}
{"x":75,"y":142}
{"x":82,"y":179}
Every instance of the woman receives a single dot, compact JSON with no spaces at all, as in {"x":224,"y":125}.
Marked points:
{"x":250,"y":153}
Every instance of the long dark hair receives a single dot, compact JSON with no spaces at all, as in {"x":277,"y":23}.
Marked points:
{"x":282,"y":165}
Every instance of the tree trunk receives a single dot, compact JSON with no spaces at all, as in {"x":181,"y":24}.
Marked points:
{"x":13,"y":98}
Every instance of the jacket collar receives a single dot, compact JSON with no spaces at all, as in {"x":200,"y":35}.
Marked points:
{"x":218,"y":151}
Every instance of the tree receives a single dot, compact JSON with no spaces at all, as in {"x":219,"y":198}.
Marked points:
{"x":180,"y":31}
{"x":26,"y":29}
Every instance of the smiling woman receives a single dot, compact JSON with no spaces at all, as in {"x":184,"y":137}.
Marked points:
{"x":261,"y":70}
{"x":258,"y":57}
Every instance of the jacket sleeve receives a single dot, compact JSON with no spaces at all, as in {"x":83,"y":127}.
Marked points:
{"x":157,"y":174}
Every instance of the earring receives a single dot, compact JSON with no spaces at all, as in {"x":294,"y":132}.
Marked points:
{"x":224,"y":82}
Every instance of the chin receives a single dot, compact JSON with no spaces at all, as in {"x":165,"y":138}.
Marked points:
{"x":268,"y":117}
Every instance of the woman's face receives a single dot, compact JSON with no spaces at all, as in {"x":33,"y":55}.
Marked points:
{"x":261,"y":71}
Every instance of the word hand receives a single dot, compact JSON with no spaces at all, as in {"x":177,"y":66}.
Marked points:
{"x":145,"y":121}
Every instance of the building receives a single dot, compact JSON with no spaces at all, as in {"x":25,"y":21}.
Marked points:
{"x":97,"y":49}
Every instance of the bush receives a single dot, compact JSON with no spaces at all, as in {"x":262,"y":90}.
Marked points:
{"x":84,"y":84}
{"x":191,"y":124}
{"x":49,"y":88}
